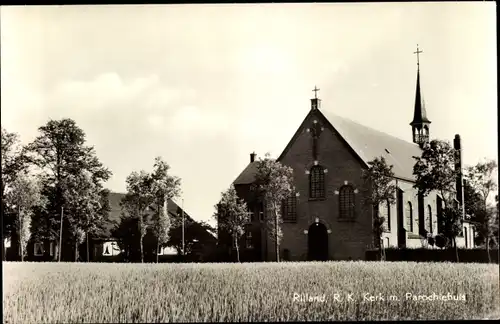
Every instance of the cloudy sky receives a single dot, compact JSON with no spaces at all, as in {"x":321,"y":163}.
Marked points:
{"x":205,"y":85}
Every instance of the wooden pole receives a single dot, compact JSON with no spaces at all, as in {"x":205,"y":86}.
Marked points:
{"x":183,"y":250}
{"x":60,"y":235}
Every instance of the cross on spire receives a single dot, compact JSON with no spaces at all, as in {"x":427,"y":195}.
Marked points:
{"x":315,"y":92}
{"x":418,"y":58}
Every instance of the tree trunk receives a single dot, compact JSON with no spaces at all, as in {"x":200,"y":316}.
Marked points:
{"x":456,"y":249}
{"x":88,"y":254}
{"x":76,"y":250}
{"x":276,"y":236}
{"x":157,"y":249}
{"x":22,"y":252}
{"x":3,"y":248}
{"x":142,"y":250}
{"x":237,"y":249}
{"x":488,"y":247}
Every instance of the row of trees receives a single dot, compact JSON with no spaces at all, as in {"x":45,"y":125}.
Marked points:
{"x":434,"y":171}
{"x":52,"y":188}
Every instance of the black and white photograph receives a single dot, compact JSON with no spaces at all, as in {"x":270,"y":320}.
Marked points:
{"x":272,"y":162}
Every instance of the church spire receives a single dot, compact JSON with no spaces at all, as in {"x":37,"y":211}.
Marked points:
{"x":315,"y":102}
{"x":420,"y":123}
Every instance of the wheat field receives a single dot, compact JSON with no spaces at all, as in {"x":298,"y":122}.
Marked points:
{"x":104,"y":292}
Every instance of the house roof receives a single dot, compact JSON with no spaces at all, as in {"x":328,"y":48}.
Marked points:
{"x":116,"y":213}
{"x":367,"y":143}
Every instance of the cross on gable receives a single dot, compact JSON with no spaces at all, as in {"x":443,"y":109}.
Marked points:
{"x":315,"y":90}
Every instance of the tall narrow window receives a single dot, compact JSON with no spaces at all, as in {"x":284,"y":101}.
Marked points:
{"x":409,"y":215}
{"x":385,"y":212}
{"x":290,"y":209}
{"x":439,"y":211}
{"x":346,"y":202}
{"x":317,"y":182}
{"x":466,"y":238}
{"x":428,"y":220}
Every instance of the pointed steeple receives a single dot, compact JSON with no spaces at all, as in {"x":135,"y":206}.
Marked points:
{"x":419,"y":114}
{"x":420,"y":123}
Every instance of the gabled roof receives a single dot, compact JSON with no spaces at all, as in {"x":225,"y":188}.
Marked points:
{"x":365,"y":142}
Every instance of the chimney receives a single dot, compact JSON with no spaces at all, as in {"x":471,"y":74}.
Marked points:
{"x":252,"y":157}
{"x":457,"y":145}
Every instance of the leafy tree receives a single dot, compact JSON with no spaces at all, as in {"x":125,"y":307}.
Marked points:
{"x":435,"y":171}
{"x":23,"y":196}
{"x":379,"y":178}
{"x":12,"y":165}
{"x":138,"y":201}
{"x":163,"y":187}
{"x":481,"y":179}
{"x":232,"y":216}
{"x":274,"y":182}
{"x":60,"y":154}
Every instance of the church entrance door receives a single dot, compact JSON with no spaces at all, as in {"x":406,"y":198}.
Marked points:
{"x":317,"y":242}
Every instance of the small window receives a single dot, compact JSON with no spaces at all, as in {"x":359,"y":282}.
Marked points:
{"x":38,"y":249}
{"x":387,"y":242}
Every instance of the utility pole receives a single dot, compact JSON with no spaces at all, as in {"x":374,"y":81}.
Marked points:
{"x":183,"y":251}
{"x":60,"y":235}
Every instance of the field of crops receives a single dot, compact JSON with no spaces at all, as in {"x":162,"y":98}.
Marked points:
{"x":102,"y":293}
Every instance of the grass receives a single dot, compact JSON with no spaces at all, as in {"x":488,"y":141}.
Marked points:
{"x":103,"y":293}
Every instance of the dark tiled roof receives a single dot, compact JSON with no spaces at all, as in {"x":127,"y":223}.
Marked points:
{"x":247,"y":176}
{"x":367,"y":143}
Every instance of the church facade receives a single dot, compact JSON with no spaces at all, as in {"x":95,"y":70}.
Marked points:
{"x":328,"y":217}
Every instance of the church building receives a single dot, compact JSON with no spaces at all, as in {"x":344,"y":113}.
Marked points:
{"x":328,"y":218}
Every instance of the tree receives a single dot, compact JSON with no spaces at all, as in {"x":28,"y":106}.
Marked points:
{"x":83,"y":206}
{"x":60,"y":154}
{"x":163,"y":187}
{"x":12,"y":165}
{"x":138,"y":201}
{"x":435,"y":170}
{"x":379,"y":178}
{"x":24,"y":195}
{"x":274,"y":182}
{"x":232,"y":216}
{"x":480,"y":177}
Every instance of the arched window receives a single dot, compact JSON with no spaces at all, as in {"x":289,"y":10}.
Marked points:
{"x":346,"y":202}
{"x":428,"y":221}
{"x":290,"y":209}
{"x":385,"y":211}
{"x":409,"y":215}
{"x":317,"y":182}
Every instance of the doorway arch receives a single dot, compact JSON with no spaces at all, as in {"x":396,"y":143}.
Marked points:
{"x":317,"y":242}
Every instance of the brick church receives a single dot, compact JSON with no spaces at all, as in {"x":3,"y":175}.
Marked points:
{"x":328,"y":217}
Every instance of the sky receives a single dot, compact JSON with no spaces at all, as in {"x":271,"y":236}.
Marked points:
{"x":205,"y":85}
